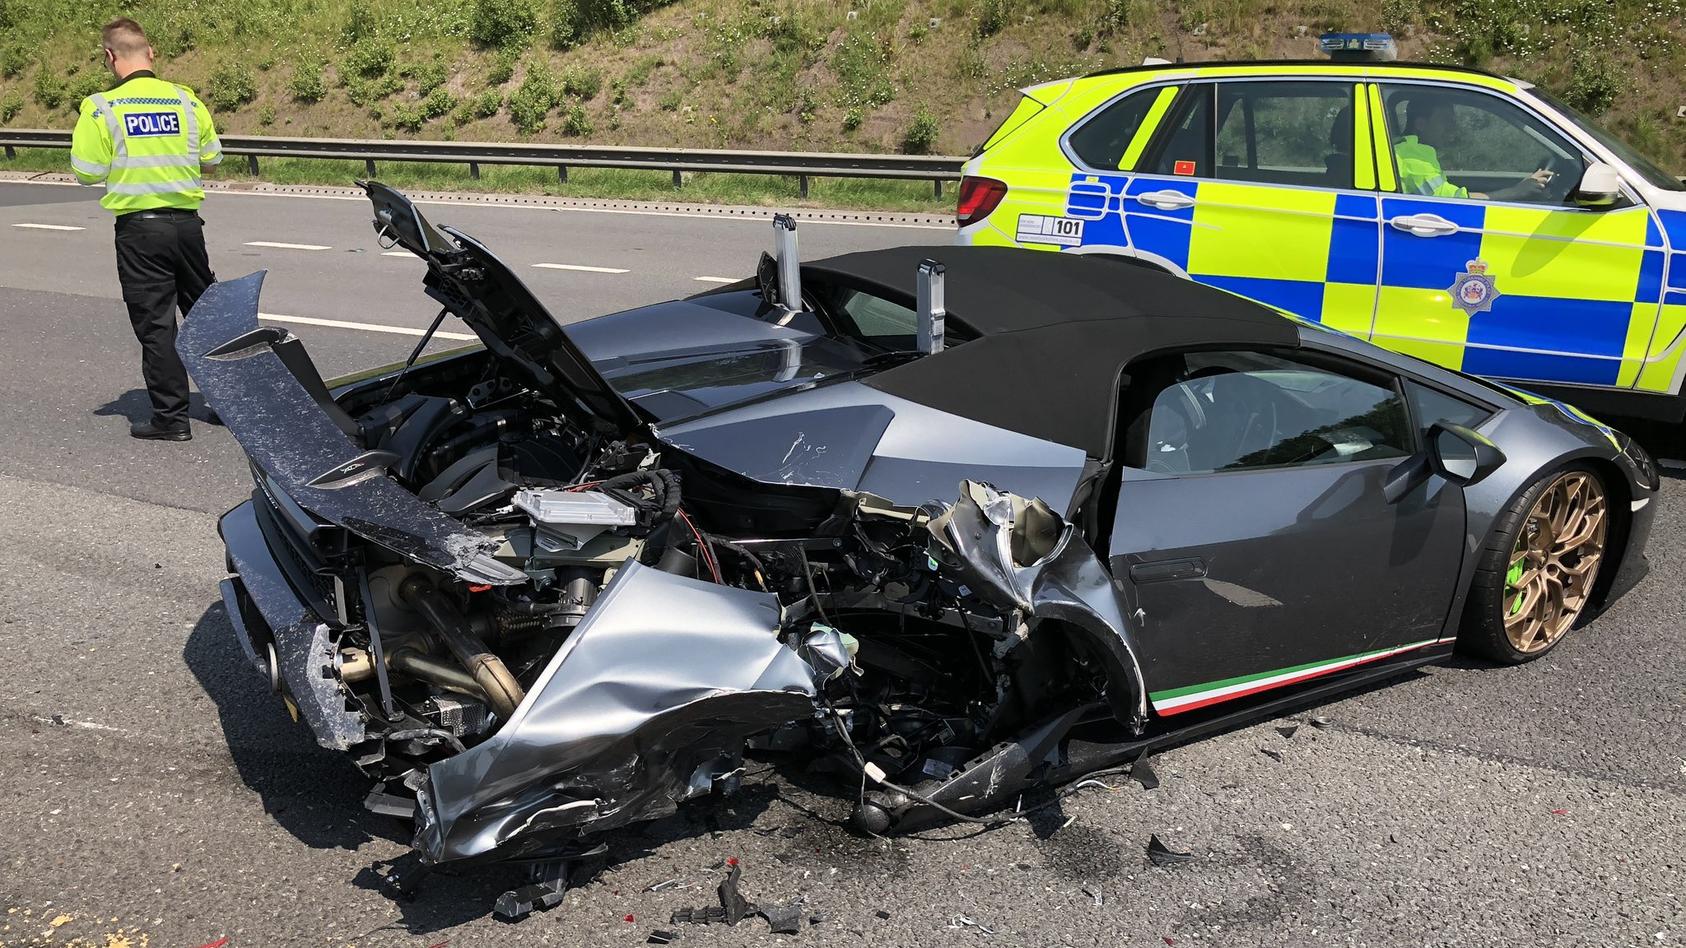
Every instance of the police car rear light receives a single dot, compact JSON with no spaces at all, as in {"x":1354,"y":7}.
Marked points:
{"x":1359,"y":47}
{"x":979,"y":198}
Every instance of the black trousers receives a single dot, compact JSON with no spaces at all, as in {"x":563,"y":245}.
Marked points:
{"x":163,"y":267}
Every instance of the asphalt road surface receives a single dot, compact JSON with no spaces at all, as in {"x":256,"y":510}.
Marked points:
{"x":153,"y":793}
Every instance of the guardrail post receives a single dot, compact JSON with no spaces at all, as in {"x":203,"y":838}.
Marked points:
{"x":561,"y":174}
{"x":474,"y":170}
{"x":369,"y":167}
{"x":678,"y":178}
{"x":252,"y":165}
{"x":938,"y":188}
{"x":802,"y":185}
{"x":11,"y":153}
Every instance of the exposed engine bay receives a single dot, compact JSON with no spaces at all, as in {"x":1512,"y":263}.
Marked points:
{"x":616,"y":679}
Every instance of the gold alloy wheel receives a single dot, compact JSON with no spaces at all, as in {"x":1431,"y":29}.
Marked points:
{"x":1555,"y":561}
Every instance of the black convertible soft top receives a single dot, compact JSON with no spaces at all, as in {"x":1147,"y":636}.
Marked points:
{"x":1055,"y":331}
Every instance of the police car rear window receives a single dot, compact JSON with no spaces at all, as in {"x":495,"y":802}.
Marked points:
{"x":1102,"y":140}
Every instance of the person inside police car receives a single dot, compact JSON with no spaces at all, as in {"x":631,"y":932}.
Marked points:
{"x":1430,"y":124}
{"x":147,"y":140}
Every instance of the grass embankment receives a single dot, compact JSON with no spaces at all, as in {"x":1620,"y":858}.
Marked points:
{"x":822,"y":75}
{"x":607,"y":183}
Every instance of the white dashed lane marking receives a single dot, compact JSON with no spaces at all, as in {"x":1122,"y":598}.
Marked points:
{"x":283,"y":246}
{"x":365,"y":327}
{"x":716,"y":279}
{"x":580,"y":267}
{"x":49,"y":227}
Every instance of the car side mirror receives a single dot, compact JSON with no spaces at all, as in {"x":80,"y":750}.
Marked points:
{"x":1600,"y":186}
{"x":1462,"y":455}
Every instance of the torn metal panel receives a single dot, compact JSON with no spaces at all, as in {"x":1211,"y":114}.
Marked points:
{"x":1026,"y":557}
{"x":663,"y":679}
{"x":287,"y":432}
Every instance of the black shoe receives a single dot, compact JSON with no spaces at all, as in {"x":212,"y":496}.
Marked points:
{"x":152,"y":431}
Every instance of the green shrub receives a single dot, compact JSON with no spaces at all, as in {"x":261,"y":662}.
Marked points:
{"x":1594,"y":82}
{"x":10,"y":105}
{"x":13,"y":61}
{"x":503,"y":67}
{"x":231,"y":85}
{"x":406,"y":118}
{"x":921,"y":134}
{"x":574,"y":120}
{"x":565,"y":24}
{"x":852,"y":119}
{"x":992,"y":16}
{"x":532,"y":102}
{"x":306,"y":83}
{"x":266,"y":116}
{"x":582,"y":82}
{"x":429,"y":76}
{"x":438,"y":102}
{"x":368,"y":91}
{"x":671,"y":100}
{"x":85,"y":84}
{"x":367,"y":58}
{"x":806,"y":106}
{"x":641,"y":70}
{"x":502,"y":24}
{"x":49,"y":89}
{"x":486,"y":104}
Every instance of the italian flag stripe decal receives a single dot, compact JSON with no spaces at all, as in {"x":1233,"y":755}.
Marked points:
{"x":1178,"y":700}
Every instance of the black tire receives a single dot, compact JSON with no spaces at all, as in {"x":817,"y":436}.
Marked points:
{"x":1482,"y":631}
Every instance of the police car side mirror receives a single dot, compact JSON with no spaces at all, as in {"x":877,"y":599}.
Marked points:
{"x":1600,"y":186}
{"x":1462,"y":455}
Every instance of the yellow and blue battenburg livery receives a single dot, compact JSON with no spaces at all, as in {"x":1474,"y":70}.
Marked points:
{"x":1514,"y":239}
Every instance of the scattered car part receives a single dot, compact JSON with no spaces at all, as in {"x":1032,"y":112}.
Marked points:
{"x":1162,"y":855}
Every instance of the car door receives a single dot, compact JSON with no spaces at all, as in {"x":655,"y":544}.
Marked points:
{"x":1485,"y":273}
{"x":1265,"y":188}
{"x":1252,"y":541}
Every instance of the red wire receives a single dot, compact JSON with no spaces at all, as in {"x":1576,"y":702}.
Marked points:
{"x":702,"y":547}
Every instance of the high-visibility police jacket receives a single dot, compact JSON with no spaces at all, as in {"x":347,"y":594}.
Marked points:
{"x":146,"y":139}
{"x":1419,"y":170}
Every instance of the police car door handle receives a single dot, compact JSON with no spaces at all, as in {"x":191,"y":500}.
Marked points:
{"x":1424,"y":225}
{"x":1166,"y":200}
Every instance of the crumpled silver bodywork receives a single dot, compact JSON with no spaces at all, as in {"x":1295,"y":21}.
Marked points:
{"x":645,"y":705}
{"x":1067,"y":582}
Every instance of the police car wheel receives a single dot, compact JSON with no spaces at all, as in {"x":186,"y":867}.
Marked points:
{"x":1537,"y":572}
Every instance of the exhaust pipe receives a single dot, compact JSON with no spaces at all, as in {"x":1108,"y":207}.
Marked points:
{"x":503,"y":692}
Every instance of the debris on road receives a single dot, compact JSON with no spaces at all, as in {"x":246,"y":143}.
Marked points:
{"x":1142,"y":772}
{"x":1288,"y":730}
{"x":783,"y":918}
{"x":1273,"y":755}
{"x":660,"y":937}
{"x":660,"y":886}
{"x":1162,"y":855}
{"x":1319,"y":721}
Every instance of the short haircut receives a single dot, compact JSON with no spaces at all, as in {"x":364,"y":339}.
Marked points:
{"x":124,"y":37}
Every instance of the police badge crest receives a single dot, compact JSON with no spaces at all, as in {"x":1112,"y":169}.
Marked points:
{"x":1473,"y":291}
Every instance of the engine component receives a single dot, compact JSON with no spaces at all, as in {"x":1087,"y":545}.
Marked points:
{"x":489,"y":671}
{"x":564,"y":521}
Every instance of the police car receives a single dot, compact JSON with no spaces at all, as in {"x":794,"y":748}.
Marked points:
{"x":1465,"y":218}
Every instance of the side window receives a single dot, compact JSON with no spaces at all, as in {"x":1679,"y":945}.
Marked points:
{"x":1185,"y":149}
{"x":877,"y":318}
{"x":1101,"y":141}
{"x":1431,"y":405}
{"x":1285,"y":133}
{"x":1460,"y":143}
{"x":1231,"y":411}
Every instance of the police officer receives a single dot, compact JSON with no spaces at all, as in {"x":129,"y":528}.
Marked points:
{"x":146,"y":139}
{"x":1429,"y":122}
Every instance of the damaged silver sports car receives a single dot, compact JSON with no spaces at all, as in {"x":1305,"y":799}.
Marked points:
{"x":968,"y":520}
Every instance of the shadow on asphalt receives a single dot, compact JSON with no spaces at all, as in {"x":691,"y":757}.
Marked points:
{"x":136,"y":406}
{"x":314,"y":794}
